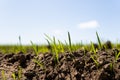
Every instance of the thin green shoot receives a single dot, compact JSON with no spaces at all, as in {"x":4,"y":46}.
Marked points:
{"x":111,"y":66}
{"x":93,"y":48}
{"x":20,"y":40}
{"x":48,"y":37}
{"x":84,"y":49}
{"x":14,"y":76}
{"x":98,"y":39}
{"x":49,"y":41}
{"x":117,"y":56}
{"x":70,"y":44}
{"x":66,"y":48}
{"x":3,"y":75}
{"x":95,"y":61}
{"x":61,"y":46}
{"x":49,"y":45}
{"x":20,"y":43}
{"x":54,"y":49}
{"x":35,"y":47}
{"x":19,"y":73}
{"x":38,"y":63}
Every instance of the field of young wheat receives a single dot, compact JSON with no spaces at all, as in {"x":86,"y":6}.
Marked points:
{"x":60,"y":61}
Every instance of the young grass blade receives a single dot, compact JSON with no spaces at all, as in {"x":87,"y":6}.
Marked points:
{"x":54,"y":41}
{"x":66,"y":46}
{"x":99,"y":42}
{"x":49,"y":41}
{"x":70,"y":45}
{"x":97,"y":64}
{"x":61,"y":46}
{"x":3,"y":75}
{"x":34,"y":47}
{"x":38,"y":63}
{"x":50,"y":47}
{"x":20,"y":42}
{"x":48,"y":37}
{"x":111,"y":66}
{"x":54,"y":49}
{"x":19,"y":73}
{"x":93,"y":48}
{"x":13,"y":75}
{"x":117,"y":56}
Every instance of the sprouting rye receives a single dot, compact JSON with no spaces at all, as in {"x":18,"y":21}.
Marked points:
{"x":70,"y":44}
{"x":14,"y":76}
{"x":99,"y":41}
{"x":20,"y":43}
{"x":3,"y":75}
{"x":94,"y":56}
{"x":54,"y":47}
{"x":35,"y":47}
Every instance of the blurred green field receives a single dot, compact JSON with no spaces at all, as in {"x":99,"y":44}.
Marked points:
{"x":56,"y":46}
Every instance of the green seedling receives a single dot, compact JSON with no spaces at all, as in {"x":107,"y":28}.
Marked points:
{"x":99,"y":41}
{"x":14,"y":76}
{"x":35,"y":47}
{"x":60,"y":46}
{"x":19,"y":73}
{"x":93,"y":48}
{"x":20,"y":43}
{"x":117,"y":56}
{"x":49,"y":41}
{"x":38,"y":63}
{"x":49,"y":45}
{"x":54,"y":48}
{"x":70,"y":44}
{"x":93,"y":56}
{"x":20,"y":46}
{"x":3,"y":75}
{"x":111,"y":66}
{"x":95,"y":61}
{"x":84,"y":50}
{"x":66,"y":46}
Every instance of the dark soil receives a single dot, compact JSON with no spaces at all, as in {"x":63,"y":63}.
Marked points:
{"x":71,"y":66}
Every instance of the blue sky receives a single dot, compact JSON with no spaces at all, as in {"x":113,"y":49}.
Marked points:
{"x":30,"y":19}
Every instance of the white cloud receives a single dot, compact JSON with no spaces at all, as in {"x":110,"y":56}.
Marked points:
{"x":89,"y":24}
